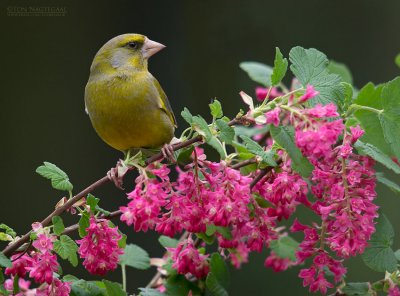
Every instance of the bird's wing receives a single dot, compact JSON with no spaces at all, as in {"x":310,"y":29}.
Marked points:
{"x":165,"y":105}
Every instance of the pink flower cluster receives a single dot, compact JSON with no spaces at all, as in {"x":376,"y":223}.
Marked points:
{"x":41,"y":265}
{"x":99,"y":248}
{"x":188,"y":260}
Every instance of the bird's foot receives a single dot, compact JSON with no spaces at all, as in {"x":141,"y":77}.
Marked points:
{"x":117,"y":174}
{"x":168,"y":153}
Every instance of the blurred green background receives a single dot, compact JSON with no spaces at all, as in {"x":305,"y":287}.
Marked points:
{"x":45,"y":65}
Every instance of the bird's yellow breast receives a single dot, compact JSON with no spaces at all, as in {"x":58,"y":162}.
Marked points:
{"x":125,"y":110}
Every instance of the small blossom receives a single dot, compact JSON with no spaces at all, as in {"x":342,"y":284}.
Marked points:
{"x":309,"y":94}
{"x":261,"y":93}
{"x":20,"y":265}
{"x":43,"y":267}
{"x":273,"y":116}
{"x":277,"y":263}
{"x":187,"y":259}
{"x":99,"y":248}
{"x":356,"y":133}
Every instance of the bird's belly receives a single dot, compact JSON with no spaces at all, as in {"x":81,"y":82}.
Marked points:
{"x":129,"y":123}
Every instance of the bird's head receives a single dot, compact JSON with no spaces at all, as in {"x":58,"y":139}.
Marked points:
{"x":127,"y":51}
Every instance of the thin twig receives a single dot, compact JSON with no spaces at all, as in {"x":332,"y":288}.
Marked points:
{"x":244,"y":163}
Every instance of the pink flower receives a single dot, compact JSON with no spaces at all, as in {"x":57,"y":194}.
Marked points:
{"x":356,"y":133}
{"x":320,"y":111}
{"x":44,"y":242}
{"x":187,"y":259}
{"x":273,"y":116}
{"x":43,"y":267}
{"x":19,"y":265}
{"x":99,"y":248}
{"x":393,"y":291}
{"x":277,"y":263}
{"x":309,"y":94}
{"x":261,"y":93}
{"x":23,"y":284}
{"x":57,"y":288}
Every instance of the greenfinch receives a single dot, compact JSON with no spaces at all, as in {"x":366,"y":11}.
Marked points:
{"x":126,"y":104}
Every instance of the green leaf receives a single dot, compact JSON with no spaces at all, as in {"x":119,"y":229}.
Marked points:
{"x":66,"y":248}
{"x":280,"y":68}
{"x":1,"y":277}
{"x":225,"y":232}
{"x":167,"y":242}
{"x":59,"y":179}
{"x":8,"y":230}
{"x":379,"y":255}
{"x":397,"y":255}
{"x":215,"y":287}
{"x":201,"y":126}
{"x":397,"y":60}
{"x":370,"y":96}
{"x":310,"y":67}
{"x":378,"y":155}
{"x":114,"y":289}
{"x":216,"y":109}
{"x":4,"y":261}
{"x":208,"y":239}
{"x":122,"y":241}
{"x":134,"y":256}
{"x":86,"y":288}
{"x":58,"y":225}
{"x":211,"y":229}
{"x":258,"y":72}
{"x":356,"y":289}
{"x":70,"y":278}
{"x":213,"y":142}
{"x":227,"y":133}
{"x":392,"y":185}
{"x":178,"y":285}
{"x":261,"y":201}
{"x":255,"y":148}
{"x":348,"y":95}
{"x":92,"y":202}
{"x":284,"y":136}
{"x":16,"y":284}
{"x":187,"y":115}
{"x":342,"y":70}
{"x":5,"y":237}
{"x":390,"y":118}
{"x":219,"y":269}
{"x":83,"y":224}
{"x":185,"y":155}
{"x":150,"y":292}
{"x":285,"y":247}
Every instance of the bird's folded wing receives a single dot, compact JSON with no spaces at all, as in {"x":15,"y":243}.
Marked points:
{"x":165,"y":105}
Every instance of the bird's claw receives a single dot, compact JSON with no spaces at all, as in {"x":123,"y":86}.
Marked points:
{"x":116,"y":176}
{"x":168,"y":153}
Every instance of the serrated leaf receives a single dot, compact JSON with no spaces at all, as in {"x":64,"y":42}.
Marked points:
{"x":167,"y":242}
{"x":114,"y":289}
{"x":59,"y":179}
{"x":136,"y":257}
{"x":348,"y":95}
{"x":390,"y":118}
{"x":4,"y":261}
{"x":379,"y":255}
{"x":213,"y":142}
{"x":150,"y":292}
{"x":378,"y":155}
{"x":215,"y":288}
{"x":257,"y":72}
{"x":280,"y":68}
{"x":284,"y":136}
{"x":356,"y":289}
{"x":83,"y":224}
{"x":219,"y":269}
{"x":201,"y":126}
{"x":342,"y":70}
{"x":227,"y":133}
{"x":187,"y":115}
{"x":285,"y":247}
{"x":86,"y":288}
{"x":310,"y":67}
{"x":92,"y":202}
{"x":255,"y":148}
{"x":392,"y":185}
{"x":66,"y":248}
{"x":58,"y":225}
{"x":216,"y":109}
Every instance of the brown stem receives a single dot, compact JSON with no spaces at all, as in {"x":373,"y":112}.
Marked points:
{"x":244,"y":163}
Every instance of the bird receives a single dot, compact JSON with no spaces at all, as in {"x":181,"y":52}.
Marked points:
{"x":126,"y":104}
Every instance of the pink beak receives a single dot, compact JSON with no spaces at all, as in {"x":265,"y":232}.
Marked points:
{"x":151,"y":47}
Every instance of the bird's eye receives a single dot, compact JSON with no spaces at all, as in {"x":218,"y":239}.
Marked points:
{"x":132,"y":44}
